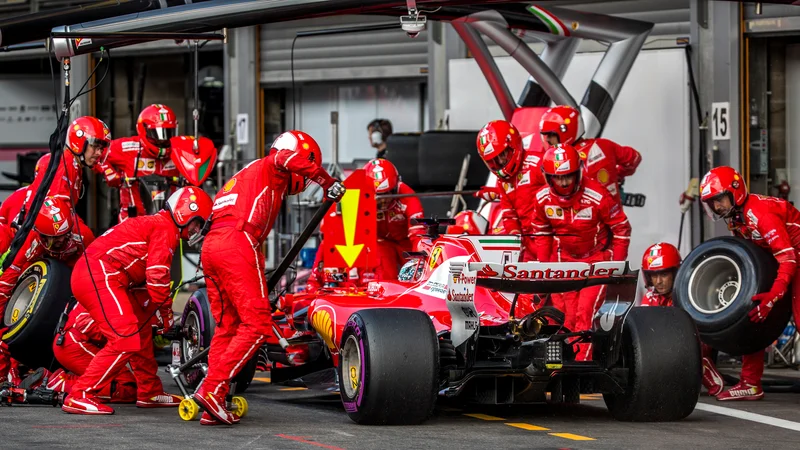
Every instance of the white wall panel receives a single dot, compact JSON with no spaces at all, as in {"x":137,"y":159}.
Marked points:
{"x":651,"y":115}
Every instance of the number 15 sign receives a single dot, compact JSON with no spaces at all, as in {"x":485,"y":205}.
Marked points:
{"x":720,"y":121}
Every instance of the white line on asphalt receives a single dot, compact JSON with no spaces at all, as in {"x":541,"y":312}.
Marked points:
{"x":753,"y":417}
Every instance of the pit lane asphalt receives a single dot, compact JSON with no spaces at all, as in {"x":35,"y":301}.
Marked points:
{"x":282,"y":417}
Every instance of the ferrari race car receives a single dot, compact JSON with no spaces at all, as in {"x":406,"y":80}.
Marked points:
{"x":458,"y":325}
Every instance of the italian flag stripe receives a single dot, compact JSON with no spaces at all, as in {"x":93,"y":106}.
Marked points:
{"x":499,"y":241}
{"x":556,"y":26}
{"x":499,"y":247}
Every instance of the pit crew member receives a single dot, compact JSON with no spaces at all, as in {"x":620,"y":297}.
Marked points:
{"x":232,"y":261}
{"x":518,"y":177}
{"x":74,"y":349}
{"x":396,"y":234}
{"x":660,"y":263}
{"x":771,"y":223}
{"x":132,"y":157}
{"x":53,"y":236}
{"x":577,"y":220}
{"x":605,"y":160}
{"x":137,"y":252}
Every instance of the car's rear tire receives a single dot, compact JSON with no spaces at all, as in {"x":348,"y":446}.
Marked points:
{"x":198,"y":329}
{"x":33,"y":311}
{"x":715,"y":285}
{"x":389,"y":367}
{"x":661,"y":351}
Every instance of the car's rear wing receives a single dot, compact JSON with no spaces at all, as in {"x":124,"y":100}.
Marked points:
{"x":545,"y":278}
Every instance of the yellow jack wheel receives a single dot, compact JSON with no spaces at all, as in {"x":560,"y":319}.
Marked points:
{"x":240,"y":406}
{"x":188,"y":409}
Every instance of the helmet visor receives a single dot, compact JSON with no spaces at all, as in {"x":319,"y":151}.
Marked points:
{"x":98,"y":143}
{"x":160,"y":136}
{"x":499,"y":162}
{"x":719,"y":206}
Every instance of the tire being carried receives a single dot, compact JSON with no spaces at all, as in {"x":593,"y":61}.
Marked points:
{"x":388,"y":367}
{"x":31,"y":316}
{"x":661,"y":355}
{"x":715,"y":285}
{"x":198,"y":329}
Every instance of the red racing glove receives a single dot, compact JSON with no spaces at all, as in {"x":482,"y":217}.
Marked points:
{"x":766,"y":301}
{"x":489,"y":193}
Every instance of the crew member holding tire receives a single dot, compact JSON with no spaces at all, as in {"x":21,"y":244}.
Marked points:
{"x":74,"y":349}
{"x":396,"y":234}
{"x":576,"y":219}
{"x":53,"y":236}
{"x":137,"y":252}
{"x":660,"y":263}
{"x":132,"y":157}
{"x":519,"y":178}
{"x":771,"y":223}
{"x":605,"y":160}
{"x":244,"y":211}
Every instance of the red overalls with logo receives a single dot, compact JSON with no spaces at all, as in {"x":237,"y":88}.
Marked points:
{"x":608,"y":162}
{"x":396,"y":235}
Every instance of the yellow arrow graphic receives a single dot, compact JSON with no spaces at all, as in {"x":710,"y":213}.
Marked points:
{"x":349,"y":204}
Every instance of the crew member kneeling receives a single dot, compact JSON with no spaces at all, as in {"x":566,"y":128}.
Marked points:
{"x":660,"y":263}
{"x":136,"y":252}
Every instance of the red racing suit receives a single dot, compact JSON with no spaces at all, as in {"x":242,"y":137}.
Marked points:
{"x":243,"y":214}
{"x":67,"y":183}
{"x":9,"y":211}
{"x":652,"y":298}
{"x":126,"y":159}
{"x":590,"y":227}
{"x":608,"y":162}
{"x":135,"y":253}
{"x":396,"y":235}
{"x":82,"y":340}
{"x":516,"y":211}
{"x":773,"y":224}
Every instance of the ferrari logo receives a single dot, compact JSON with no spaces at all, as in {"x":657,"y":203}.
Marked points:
{"x":437,"y":252}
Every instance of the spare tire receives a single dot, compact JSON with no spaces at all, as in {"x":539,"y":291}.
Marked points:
{"x":715,"y":285}
{"x":42,"y":292}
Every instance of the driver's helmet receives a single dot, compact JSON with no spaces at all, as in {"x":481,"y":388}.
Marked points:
{"x":412,"y":270}
{"x":658,"y":258}
{"x":722,"y":181}
{"x":469,"y":222}
{"x":500,"y":146}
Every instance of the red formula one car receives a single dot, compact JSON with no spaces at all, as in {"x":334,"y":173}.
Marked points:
{"x":464,"y":321}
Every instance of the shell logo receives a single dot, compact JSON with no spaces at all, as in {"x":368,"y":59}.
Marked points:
{"x":323,"y":325}
{"x":602,"y":176}
{"x":550,"y":211}
{"x":229,"y":185}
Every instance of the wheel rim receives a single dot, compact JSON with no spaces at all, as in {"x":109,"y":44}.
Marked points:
{"x":21,"y":300}
{"x":351,"y":365}
{"x":191,"y":329}
{"x":714,"y":285}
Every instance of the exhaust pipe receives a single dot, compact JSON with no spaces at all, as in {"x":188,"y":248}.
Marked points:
{"x":210,"y":15}
{"x":37,"y":26}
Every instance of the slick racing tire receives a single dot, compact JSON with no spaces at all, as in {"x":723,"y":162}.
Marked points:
{"x":32,"y":313}
{"x":388,"y":367}
{"x":716,"y":284}
{"x":661,"y":353}
{"x":198,"y":329}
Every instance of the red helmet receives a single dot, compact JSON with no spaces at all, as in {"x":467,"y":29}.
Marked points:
{"x":559,"y":161}
{"x":564,"y":121}
{"x":722,"y":181}
{"x":500,"y":145}
{"x":306,"y":147}
{"x":85,"y":131}
{"x":53,"y":222}
{"x":469,"y":222}
{"x":155,"y":126}
{"x":188,"y":204}
{"x":659,"y":257}
{"x":384,"y":174}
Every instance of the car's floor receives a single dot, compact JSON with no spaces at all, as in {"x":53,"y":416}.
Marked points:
{"x":283,"y":417}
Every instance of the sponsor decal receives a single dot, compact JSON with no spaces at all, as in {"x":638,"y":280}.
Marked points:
{"x":536,"y":271}
{"x":227,"y":200}
{"x":461,"y":284}
{"x":584,"y":214}
{"x":554,"y":212}
{"x":435,"y":255}
{"x":602,"y":176}
{"x":595,"y":155}
{"x":229,"y":185}
{"x":323,"y":325}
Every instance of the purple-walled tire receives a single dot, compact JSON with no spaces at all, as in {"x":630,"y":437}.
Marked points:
{"x":388,"y":367}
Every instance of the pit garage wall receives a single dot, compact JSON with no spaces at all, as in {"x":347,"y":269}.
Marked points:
{"x":650,"y":115}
